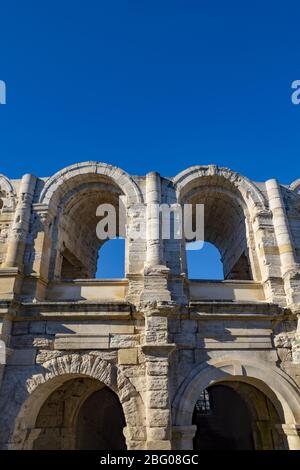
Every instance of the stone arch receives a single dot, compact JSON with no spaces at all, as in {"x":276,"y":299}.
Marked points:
{"x":7,"y":193}
{"x":248,"y":191}
{"x":272,"y":381}
{"x":234,"y":200}
{"x":63,"y":179}
{"x":295,"y":186}
{"x":83,"y":187}
{"x":55,"y":372}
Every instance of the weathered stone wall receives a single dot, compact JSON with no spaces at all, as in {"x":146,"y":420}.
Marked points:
{"x":156,"y":339}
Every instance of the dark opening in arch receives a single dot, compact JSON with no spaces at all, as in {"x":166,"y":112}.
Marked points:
{"x":225,"y":225}
{"x":100,"y":423}
{"x":82,"y":413}
{"x":235,"y":415}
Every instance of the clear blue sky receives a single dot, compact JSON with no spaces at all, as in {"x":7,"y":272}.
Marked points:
{"x":157,"y":85}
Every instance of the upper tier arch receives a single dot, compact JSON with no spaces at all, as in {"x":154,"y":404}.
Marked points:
{"x":295,"y":185}
{"x":66,"y":178}
{"x":187,"y":180}
{"x":9,"y":192}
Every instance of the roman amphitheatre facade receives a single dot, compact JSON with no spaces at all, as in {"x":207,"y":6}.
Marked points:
{"x":154,"y":360}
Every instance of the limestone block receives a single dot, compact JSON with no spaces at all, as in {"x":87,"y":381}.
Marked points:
{"x":133,"y":415}
{"x":187,"y":356}
{"x":159,"y":368}
{"x":157,"y":434}
{"x":135,"y":433}
{"x":44,"y":343}
{"x":135,"y":445}
{"x":22,"y":357}
{"x":157,"y":383}
{"x":123,"y":341}
{"x":20,"y":327}
{"x":127,"y":356}
{"x":239,"y":342}
{"x":83,"y":327}
{"x":153,"y":336}
{"x":158,"y":418}
{"x":186,"y":340}
{"x":81,"y":342}
{"x":37,"y":327}
{"x":189,"y":326}
{"x":22,"y":341}
{"x":158,"y":399}
{"x":159,"y":445}
{"x":132,"y":371}
{"x":174,"y":325}
{"x":46,"y":355}
{"x":110,"y":356}
{"x":201,"y":355}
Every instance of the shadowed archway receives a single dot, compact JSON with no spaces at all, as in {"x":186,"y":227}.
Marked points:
{"x":76,"y":376}
{"x":81,"y":414}
{"x":243,"y":376}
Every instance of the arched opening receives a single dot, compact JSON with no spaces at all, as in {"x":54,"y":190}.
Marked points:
{"x":111,"y":259}
{"x":235,"y":416}
{"x":81,"y":413}
{"x":226,"y":226}
{"x":100,"y":422}
{"x":204,"y":261}
{"x":77,"y":249}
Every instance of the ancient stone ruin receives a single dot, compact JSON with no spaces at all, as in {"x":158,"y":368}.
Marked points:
{"x":154,"y":360}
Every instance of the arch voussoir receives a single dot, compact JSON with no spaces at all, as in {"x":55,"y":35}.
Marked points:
{"x":64,"y":178}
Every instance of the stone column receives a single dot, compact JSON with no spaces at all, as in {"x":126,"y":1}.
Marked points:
{"x":153,"y":200}
{"x":182,"y":437}
{"x":292,"y":434}
{"x":268,"y":257}
{"x":155,"y":272}
{"x":289,"y":268}
{"x":157,"y":398}
{"x":35,"y":283}
{"x":283,"y":236}
{"x":265,"y":428}
{"x":20,"y":226}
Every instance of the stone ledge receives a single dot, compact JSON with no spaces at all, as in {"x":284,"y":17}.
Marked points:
{"x":81,"y":309}
{"x":74,"y":342}
{"x":213,"y":310}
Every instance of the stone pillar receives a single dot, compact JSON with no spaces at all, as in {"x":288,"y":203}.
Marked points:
{"x":155,"y":273}
{"x":292,"y":434}
{"x":42,"y":242}
{"x":182,"y":437}
{"x":268,"y":257}
{"x":265,"y":429}
{"x":290,"y":270}
{"x":20,"y":226}
{"x":153,"y":200}
{"x":283,"y":236}
{"x":35,"y":283}
{"x":296,"y":344}
{"x":157,"y":398}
